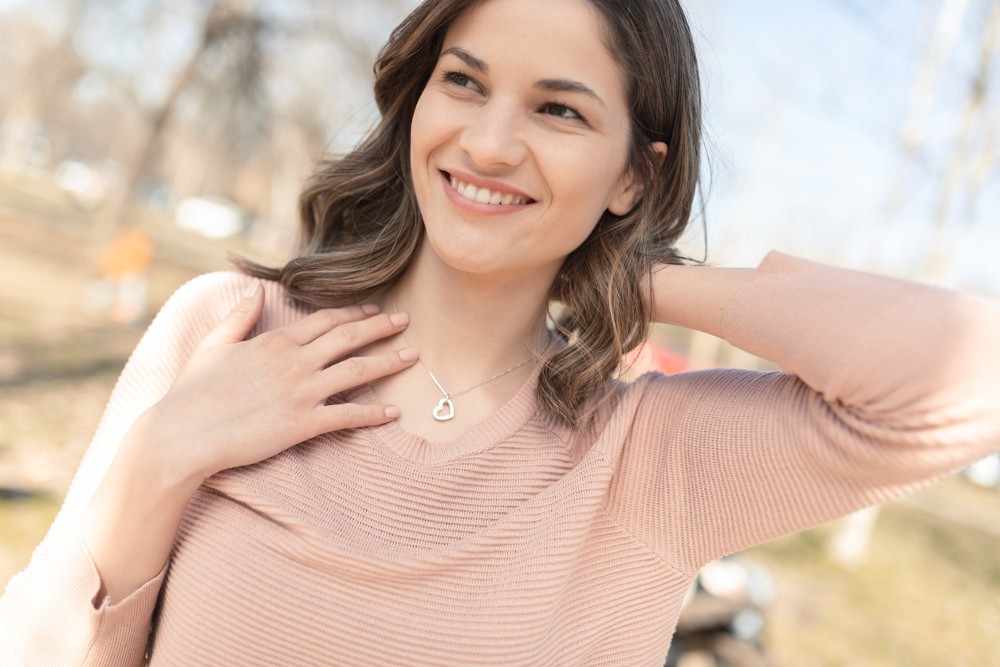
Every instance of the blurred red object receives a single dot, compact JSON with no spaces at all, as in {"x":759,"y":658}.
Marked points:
{"x":648,"y":357}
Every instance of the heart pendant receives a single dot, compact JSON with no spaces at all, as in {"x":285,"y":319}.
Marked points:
{"x":445,"y":410}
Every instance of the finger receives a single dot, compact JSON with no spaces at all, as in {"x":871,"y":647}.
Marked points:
{"x":347,"y":338}
{"x":312,"y":326}
{"x":240,"y":320}
{"x":356,"y":371}
{"x":354,"y":415}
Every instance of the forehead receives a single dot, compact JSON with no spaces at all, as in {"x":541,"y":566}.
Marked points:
{"x":542,"y":39}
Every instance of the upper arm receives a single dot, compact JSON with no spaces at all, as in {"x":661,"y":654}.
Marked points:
{"x":718,"y":461}
{"x":885,"y":385}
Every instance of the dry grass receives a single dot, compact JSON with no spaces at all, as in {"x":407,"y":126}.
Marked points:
{"x":928,"y":595}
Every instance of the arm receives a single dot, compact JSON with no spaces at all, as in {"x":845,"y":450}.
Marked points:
{"x":886,"y":384}
{"x":871,"y":342}
{"x":130,"y":522}
{"x":190,"y":402}
{"x":695,"y":297}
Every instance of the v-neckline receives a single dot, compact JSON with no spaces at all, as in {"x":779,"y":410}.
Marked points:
{"x":503,"y":423}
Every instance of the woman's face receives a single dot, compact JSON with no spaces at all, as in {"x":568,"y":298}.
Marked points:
{"x":520,"y":138}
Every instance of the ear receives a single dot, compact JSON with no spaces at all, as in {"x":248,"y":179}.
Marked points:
{"x":630,"y":190}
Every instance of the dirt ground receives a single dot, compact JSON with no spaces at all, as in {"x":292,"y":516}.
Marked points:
{"x":928,"y":595}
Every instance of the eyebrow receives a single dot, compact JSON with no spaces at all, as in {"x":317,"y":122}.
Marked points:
{"x":468,"y":58}
{"x":568,"y":86}
{"x":552,"y":85}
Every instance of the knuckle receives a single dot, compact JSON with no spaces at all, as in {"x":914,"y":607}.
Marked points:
{"x":355,"y":369}
{"x":390,"y":363}
{"x":331,"y":318}
{"x":351,"y":414}
{"x":268,"y":339}
{"x":275,"y":338}
{"x":353,"y":311}
{"x":322,"y":319}
{"x":348,"y":335}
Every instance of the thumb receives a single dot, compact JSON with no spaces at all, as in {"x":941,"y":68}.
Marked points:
{"x":240,"y":319}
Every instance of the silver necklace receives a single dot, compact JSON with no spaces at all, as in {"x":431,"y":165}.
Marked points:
{"x":445,"y":408}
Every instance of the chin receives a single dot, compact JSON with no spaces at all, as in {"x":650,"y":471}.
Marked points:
{"x":471,"y":258}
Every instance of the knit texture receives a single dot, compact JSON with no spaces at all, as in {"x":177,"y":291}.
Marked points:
{"x":525,"y":542}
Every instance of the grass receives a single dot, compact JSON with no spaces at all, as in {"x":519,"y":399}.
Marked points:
{"x":21,"y":522}
{"x":927,"y":596}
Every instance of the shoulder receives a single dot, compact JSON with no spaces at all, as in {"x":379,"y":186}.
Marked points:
{"x":644,"y":413}
{"x":715,"y":394}
{"x":205,"y":300}
{"x":218,"y":287}
{"x":654,"y":405}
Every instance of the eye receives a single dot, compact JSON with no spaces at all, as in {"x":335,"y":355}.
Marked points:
{"x":562,"y":111}
{"x":462,"y":80}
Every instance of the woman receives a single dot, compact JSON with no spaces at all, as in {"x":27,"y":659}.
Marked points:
{"x":477,"y":490}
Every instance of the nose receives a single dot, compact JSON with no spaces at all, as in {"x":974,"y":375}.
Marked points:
{"x":493,"y":136}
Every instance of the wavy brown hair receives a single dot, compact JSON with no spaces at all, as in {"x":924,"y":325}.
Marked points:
{"x":361,"y":225}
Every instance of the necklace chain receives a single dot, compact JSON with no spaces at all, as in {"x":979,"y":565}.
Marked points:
{"x":445,"y":408}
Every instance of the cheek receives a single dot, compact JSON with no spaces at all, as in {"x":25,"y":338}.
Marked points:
{"x":585,"y":197}
{"x":590,"y":188}
{"x":428,"y":129}
{"x":418,"y":132}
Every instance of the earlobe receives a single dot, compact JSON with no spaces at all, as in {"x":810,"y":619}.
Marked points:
{"x":659,"y":149}
{"x":630,"y":191}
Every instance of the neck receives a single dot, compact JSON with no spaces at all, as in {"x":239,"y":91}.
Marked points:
{"x":468,"y":327}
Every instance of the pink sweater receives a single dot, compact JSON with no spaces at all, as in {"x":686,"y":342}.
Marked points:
{"x":524,"y":542}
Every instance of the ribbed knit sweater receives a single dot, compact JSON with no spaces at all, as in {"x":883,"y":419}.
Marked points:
{"x":525,"y":542}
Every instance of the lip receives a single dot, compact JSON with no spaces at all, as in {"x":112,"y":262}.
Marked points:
{"x":477,"y":207}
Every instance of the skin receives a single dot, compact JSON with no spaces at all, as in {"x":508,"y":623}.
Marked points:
{"x":476,"y":291}
{"x":487,"y":115}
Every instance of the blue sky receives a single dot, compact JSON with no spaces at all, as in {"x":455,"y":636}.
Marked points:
{"x":806,"y":102}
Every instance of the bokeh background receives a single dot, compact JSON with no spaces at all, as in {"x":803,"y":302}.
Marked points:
{"x":142,"y":140}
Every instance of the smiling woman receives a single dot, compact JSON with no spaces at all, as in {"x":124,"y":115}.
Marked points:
{"x":501,"y":122}
{"x":383,"y":453}
{"x":586,"y":116}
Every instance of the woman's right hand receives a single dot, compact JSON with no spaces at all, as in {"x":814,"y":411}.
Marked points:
{"x":237,"y":401}
{"x":234,"y":403}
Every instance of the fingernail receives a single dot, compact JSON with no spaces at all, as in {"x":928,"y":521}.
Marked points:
{"x":252,"y":289}
{"x":399,"y":319}
{"x":392,"y":412}
{"x":369,"y":308}
{"x":408,"y":354}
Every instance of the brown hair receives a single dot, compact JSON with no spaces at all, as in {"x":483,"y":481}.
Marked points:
{"x":361,"y":225}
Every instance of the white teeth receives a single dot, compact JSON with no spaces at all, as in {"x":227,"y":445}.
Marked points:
{"x":484,"y":195}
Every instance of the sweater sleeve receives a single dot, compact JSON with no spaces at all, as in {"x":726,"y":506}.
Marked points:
{"x":884,"y":386}
{"x":49,"y":613}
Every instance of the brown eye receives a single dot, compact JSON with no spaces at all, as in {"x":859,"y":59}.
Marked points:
{"x":462,"y":80}
{"x":562,"y":111}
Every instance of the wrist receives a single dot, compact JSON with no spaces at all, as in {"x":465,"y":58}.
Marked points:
{"x":154,"y":460}
{"x":695,"y":297}
{"x":130,"y":523}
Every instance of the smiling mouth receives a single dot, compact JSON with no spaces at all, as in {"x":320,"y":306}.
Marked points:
{"x":485,"y":195}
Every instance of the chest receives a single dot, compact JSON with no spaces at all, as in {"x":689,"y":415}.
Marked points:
{"x":482,"y":563}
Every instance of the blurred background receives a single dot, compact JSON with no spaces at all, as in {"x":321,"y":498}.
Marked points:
{"x":142,"y":140}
